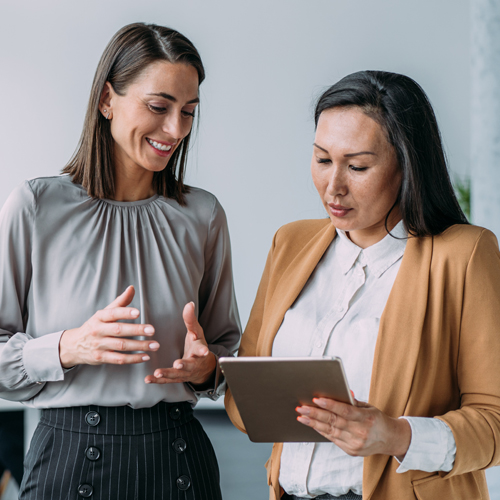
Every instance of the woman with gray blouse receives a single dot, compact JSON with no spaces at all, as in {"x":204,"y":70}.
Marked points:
{"x":116,"y":290}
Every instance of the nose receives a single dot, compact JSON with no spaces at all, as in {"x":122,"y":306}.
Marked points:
{"x":174,"y":126}
{"x":337,"y":184}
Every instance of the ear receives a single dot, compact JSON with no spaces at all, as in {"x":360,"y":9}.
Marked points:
{"x":105,"y":102}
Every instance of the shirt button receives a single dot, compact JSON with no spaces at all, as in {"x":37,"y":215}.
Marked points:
{"x":341,"y":309}
{"x":183,"y":483}
{"x":179,"y":445}
{"x":85,"y":490}
{"x":93,"y":453}
{"x":319,"y":344}
{"x":92,"y":418}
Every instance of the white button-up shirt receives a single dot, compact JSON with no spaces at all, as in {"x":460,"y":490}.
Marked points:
{"x":338,"y":314}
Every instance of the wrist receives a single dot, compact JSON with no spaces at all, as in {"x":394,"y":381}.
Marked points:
{"x":65,"y":355}
{"x":208,"y":378}
{"x":401,"y":438}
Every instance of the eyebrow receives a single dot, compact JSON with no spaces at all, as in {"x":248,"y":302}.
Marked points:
{"x":349,"y":155}
{"x":172,"y":98}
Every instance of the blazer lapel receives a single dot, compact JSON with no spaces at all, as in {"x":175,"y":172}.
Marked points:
{"x":291,"y":284}
{"x":398,"y":344}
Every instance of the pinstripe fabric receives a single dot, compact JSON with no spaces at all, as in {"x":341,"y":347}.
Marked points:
{"x":137,"y":457}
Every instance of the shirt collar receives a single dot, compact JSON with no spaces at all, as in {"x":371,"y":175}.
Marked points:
{"x":378,"y":257}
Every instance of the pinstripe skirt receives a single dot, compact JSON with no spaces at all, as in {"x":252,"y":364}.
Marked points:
{"x":106,"y":453}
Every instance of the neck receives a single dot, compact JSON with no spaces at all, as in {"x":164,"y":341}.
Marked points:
{"x":133,"y":185}
{"x":367,"y":237}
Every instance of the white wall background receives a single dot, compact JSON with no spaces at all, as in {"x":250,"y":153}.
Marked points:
{"x":266,"y":61}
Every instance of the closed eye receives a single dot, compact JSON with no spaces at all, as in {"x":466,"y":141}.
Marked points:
{"x":323,"y":160}
{"x":156,"y":109}
{"x":187,"y":113}
{"x":357,"y":169}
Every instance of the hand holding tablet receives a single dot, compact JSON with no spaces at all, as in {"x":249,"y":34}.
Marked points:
{"x":267,"y":391}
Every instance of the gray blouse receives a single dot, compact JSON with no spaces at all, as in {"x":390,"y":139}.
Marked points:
{"x":64,"y":256}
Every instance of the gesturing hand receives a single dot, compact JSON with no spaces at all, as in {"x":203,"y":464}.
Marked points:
{"x":360,"y":430}
{"x":197,"y":364}
{"x":102,"y":340}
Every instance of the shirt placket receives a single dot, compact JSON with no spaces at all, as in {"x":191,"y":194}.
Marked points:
{"x":353,"y":280}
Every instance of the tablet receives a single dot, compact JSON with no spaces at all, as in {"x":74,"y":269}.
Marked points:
{"x":267,"y":390}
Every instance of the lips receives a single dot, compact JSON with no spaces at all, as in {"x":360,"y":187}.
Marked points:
{"x":338,"y":210}
{"x":161,"y":148}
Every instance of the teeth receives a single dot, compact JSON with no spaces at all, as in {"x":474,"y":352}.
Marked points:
{"x":161,"y":147}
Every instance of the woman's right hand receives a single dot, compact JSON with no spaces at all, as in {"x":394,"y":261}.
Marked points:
{"x":102,"y":340}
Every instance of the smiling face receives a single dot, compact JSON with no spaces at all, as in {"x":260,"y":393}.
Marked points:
{"x":356,"y":173}
{"x":151,"y":119}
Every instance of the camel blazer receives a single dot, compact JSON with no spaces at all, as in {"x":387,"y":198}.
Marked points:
{"x":437,"y":351}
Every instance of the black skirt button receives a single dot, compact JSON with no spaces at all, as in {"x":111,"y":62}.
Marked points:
{"x":92,"y":418}
{"x":93,"y":453}
{"x":179,"y":445}
{"x":175,"y":413}
{"x":85,"y":490}
{"x":183,"y":483}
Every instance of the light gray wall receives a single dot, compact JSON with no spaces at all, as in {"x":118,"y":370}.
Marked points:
{"x":485,"y":119}
{"x":266,"y":60}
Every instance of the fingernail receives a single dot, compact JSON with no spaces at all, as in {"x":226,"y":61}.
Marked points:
{"x":158,"y":375}
{"x":303,"y":410}
{"x":180,"y":367}
{"x":146,"y":358}
{"x":192,"y":303}
{"x":303,"y":420}
{"x":134,"y":313}
{"x":149,"y":329}
{"x":148,"y":381}
{"x":320,"y":402}
{"x":154,"y":345}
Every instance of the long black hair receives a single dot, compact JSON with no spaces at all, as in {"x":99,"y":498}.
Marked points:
{"x":427,"y":201}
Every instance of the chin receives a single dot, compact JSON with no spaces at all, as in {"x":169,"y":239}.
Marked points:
{"x":341,"y":224}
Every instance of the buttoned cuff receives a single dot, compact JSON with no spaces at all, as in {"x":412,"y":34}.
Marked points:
{"x":216,"y":389}
{"x":432,"y":447}
{"x":41,"y":358}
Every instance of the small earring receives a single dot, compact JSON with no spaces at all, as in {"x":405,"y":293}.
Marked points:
{"x":106,"y":111}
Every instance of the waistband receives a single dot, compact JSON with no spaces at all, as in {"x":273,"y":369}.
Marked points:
{"x":348,"y":496}
{"x":118,"y":420}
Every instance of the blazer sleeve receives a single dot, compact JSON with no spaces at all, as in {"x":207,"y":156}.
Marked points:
{"x":250,"y":337}
{"x":476,"y":425}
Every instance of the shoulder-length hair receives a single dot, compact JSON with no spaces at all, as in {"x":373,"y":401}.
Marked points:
{"x":427,"y":201}
{"x":128,"y":53}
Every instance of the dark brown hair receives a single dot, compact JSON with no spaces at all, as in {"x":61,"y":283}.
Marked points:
{"x":128,"y":53}
{"x":427,"y":201}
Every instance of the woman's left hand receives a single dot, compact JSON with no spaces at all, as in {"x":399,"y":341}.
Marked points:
{"x":197,"y":364}
{"x":359,"y":430}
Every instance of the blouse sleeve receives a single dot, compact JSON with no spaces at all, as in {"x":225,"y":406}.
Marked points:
{"x":476,"y":425}
{"x":218,"y":311}
{"x":26,"y":363}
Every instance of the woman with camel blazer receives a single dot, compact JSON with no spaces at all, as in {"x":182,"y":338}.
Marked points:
{"x":437,"y":348}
